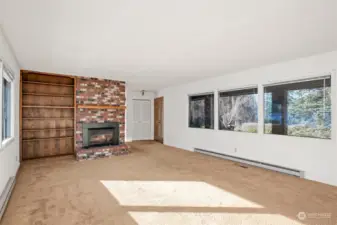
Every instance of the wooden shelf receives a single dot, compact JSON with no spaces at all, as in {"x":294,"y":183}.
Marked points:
{"x":48,"y":106}
{"x":51,"y":138}
{"x":46,"y":83}
{"x":47,"y":74}
{"x":52,"y":95}
{"x":42,"y":129}
{"x":50,"y":102}
{"x":101,"y":107}
{"x":47,"y":118}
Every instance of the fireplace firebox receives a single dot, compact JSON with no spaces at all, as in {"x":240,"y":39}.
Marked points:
{"x":100,"y":134}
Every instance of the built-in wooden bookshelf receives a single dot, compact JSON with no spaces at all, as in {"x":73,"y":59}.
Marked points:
{"x":47,"y":115}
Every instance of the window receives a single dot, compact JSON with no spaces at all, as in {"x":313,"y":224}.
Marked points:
{"x":299,"y":109}
{"x":6,"y":104}
{"x":238,"y":110}
{"x":201,"y":111}
{"x":6,"y":109}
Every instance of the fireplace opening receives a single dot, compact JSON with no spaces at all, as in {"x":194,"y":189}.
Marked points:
{"x":100,"y":134}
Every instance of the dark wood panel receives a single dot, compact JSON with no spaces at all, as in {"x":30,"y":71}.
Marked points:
{"x":47,"y":123}
{"x":47,"y":89}
{"x":48,"y":138}
{"x":48,"y":74}
{"x":159,"y":119}
{"x":44,"y":118}
{"x":47,"y":106}
{"x":46,"y":83}
{"x":21,"y":115}
{"x":47,"y":100}
{"x":46,"y":94}
{"x":47,"y":133}
{"x":47,"y":148}
{"x":47,"y":113}
{"x":75,"y":108}
{"x":34,"y":77}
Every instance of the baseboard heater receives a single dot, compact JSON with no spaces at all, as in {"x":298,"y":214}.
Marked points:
{"x":5,"y":195}
{"x":293,"y":172}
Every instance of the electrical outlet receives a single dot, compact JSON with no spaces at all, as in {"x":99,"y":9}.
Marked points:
{"x":235,"y":149}
{"x":16,"y":158}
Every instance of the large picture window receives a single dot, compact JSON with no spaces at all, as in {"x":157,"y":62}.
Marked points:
{"x":299,"y":109}
{"x":238,"y":110}
{"x":201,"y":111}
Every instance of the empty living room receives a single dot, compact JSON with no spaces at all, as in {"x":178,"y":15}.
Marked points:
{"x":168,"y":112}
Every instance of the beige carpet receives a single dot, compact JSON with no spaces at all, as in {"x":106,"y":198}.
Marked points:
{"x":157,"y":185}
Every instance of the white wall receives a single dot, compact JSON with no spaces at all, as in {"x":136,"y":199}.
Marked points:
{"x":318,"y":158}
{"x":9,"y":156}
{"x":130,"y":95}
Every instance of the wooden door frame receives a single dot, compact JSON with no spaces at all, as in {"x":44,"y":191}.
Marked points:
{"x":162,"y":117}
{"x":20,"y":102}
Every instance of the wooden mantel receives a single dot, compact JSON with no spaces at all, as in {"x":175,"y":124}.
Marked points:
{"x":101,"y":107}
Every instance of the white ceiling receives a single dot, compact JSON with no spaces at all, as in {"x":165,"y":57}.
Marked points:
{"x":155,"y":43}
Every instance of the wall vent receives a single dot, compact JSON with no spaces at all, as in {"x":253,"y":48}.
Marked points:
{"x":289,"y":171}
{"x":5,"y":195}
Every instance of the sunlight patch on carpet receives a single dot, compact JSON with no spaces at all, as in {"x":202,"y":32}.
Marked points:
{"x":174,"y":218}
{"x":174,"y":193}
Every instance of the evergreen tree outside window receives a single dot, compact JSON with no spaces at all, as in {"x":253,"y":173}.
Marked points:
{"x":238,"y":110}
{"x":201,"y":111}
{"x":300,"y":109}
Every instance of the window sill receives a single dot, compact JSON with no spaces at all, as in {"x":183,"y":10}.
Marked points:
{"x":6,"y":142}
{"x":297,"y":137}
{"x":238,"y":132}
{"x":202,"y":128}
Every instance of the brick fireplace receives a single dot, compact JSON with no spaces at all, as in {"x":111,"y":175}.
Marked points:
{"x":100,"y":104}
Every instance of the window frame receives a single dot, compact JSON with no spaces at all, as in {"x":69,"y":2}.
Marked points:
{"x":251,"y":87}
{"x":213,"y":113}
{"x":6,"y":73}
{"x":327,"y":75}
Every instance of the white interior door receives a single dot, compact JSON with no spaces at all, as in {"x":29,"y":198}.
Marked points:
{"x":141,"y":120}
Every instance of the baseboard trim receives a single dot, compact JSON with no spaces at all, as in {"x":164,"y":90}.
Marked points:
{"x":277,"y":168}
{"x":6,"y":194}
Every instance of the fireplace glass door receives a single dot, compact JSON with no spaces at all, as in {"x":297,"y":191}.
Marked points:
{"x":100,"y":136}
